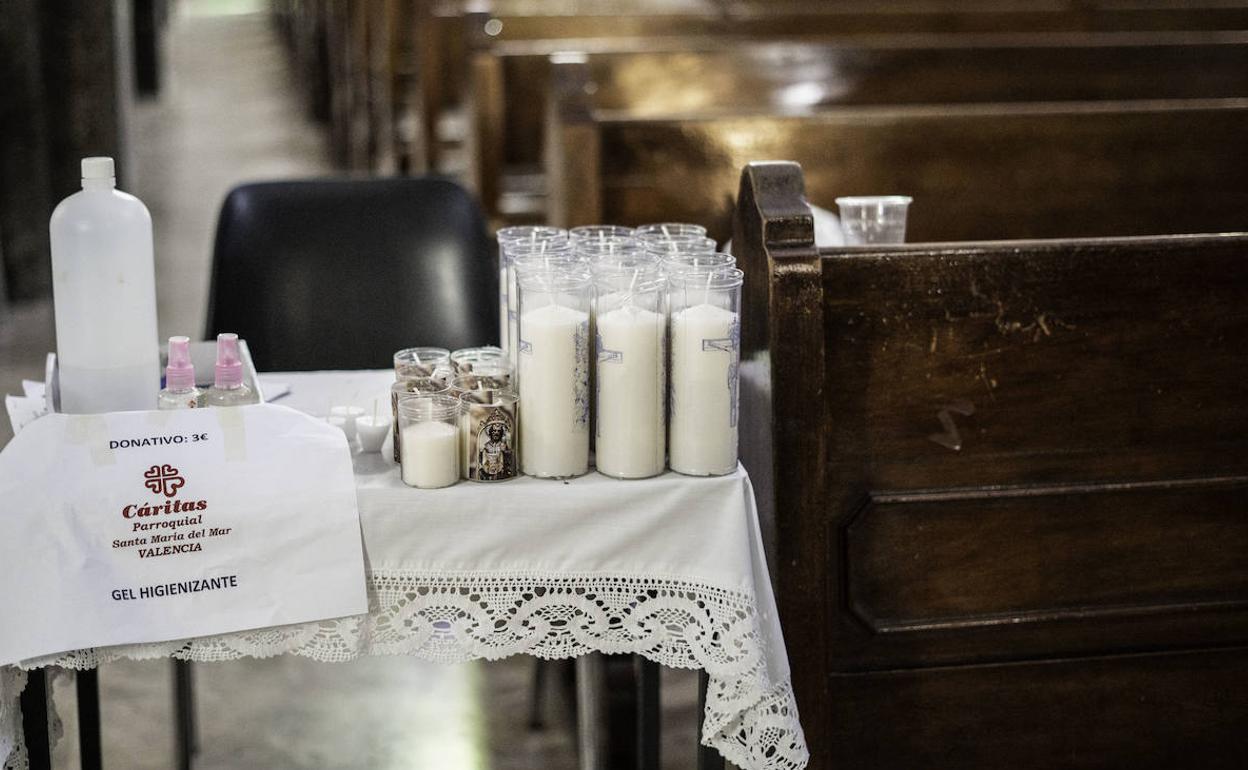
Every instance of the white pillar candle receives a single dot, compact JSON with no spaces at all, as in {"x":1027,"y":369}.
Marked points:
{"x":429,"y":454}
{"x":554,"y":391}
{"x":705,"y":351}
{"x":630,"y":430}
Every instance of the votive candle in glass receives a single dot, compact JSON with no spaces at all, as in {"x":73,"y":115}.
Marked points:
{"x":600,"y":233}
{"x":705,"y":353}
{"x":630,"y":428}
{"x":420,"y":362}
{"x":426,"y":386}
{"x":430,"y":429}
{"x":554,"y":372}
{"x":659,"y":234}
{"x":464,"y":359}
{"x":490,"y":434}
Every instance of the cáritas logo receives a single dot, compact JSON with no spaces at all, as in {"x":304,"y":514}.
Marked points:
{"x":163,"y":480}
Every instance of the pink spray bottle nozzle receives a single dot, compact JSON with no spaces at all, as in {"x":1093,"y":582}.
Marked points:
{"x":229,"y":368}
{"x":180,"y":373}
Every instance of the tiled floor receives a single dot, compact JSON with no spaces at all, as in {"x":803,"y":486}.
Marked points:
{"x":230,"y":113}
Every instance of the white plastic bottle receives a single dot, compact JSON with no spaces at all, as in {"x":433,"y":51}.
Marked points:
{"x":104,"y":293}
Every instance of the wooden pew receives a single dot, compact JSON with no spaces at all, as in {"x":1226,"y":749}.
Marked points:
{"x":446,"y":36}
{"x":643,"y":78}
{"x":976,"y":171}
{"x":1008,"y":483}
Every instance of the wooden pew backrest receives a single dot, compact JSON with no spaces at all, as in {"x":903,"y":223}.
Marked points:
{"x":1000,"y":473}
{"x":975,"y":171}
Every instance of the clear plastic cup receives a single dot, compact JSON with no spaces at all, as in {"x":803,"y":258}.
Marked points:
{"x":874,"y":219}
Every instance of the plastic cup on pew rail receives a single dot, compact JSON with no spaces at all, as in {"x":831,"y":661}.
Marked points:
{"x":429,"y":426}
{"x":874,"y":219}
{"x":554,"y":372}
{"x":705,"y":325}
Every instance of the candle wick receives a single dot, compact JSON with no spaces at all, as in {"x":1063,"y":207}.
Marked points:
{"x":374,"y":411}
{"x":666,"y":234}
{"x":706,"y":295}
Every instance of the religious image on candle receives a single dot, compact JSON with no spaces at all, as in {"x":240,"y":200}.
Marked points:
{"x":554,"y":373}
{"x":706,"y":343}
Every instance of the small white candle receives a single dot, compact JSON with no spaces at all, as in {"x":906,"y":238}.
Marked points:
{"x":704,"y":390}
{"x":429,"y":454}
{"x":372,"y":432}
{"x":630,"y":441}
{"x":554,"y":391}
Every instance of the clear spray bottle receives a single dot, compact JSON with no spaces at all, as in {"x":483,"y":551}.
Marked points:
{"x":179,"y":391}
{"x":229,"y":389}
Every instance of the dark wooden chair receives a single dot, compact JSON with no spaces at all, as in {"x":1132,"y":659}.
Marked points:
{"x":1007,"y":482}
{"x":664,"y":77}
{"x":976,"y":171}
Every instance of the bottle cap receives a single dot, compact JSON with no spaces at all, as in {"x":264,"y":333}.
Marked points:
{"x":180,"y":373}
{"x":229,"y":368}
{"x":99,"y":167}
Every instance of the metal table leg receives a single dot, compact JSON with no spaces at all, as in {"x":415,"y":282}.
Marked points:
{"x":35,"y":720}
{"x":708,"y":759}
{"x":90,"y":749}
{"x":186,"y":738}
{"x":648,"y":713}
{"x":590,"y":712}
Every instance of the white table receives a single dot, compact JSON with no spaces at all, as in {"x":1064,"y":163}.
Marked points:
{"x":670,"y":568}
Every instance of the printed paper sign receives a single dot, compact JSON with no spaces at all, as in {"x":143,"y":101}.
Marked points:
{"x":138,"y":527}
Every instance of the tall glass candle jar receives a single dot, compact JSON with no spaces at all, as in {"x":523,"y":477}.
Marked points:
{"x":513,"y":240}
{"x":554,"y":372}
{"x":430,"y":429}
{"x":630,"y":427}
{"x":670,"y":231}
{"x":679,"y":247}
{"x":705,"y":353}
{"x":684,"y":262}
{"x":490,"y":434}
{"x":589,"y":233}
{"x":426,"y":386}
{"x":551,"y":251}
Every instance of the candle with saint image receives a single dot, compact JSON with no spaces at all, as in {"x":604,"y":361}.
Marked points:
{"x":631,"y":332}
{"x":554,"y":372}
{"x":705,"y":327}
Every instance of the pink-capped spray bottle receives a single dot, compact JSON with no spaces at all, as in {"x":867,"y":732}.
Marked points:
{"x":180,"y":391}
{"x":228,"y":389}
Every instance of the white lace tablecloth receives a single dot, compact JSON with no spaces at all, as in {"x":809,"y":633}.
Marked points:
{"x":670,"y":568}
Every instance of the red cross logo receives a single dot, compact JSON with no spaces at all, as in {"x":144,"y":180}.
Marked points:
{"x":163,"y":480}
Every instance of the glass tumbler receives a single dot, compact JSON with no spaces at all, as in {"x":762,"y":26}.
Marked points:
{"x":554,"y":372}
{"x":430,"y":429}
{"x":630,"y":369}
{"x":705,"y":327}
